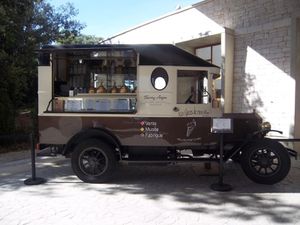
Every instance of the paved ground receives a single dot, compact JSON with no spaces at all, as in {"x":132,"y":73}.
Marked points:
{"x":176,"y":195}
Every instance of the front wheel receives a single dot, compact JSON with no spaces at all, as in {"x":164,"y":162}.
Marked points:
{"x":93,"y":161}
{"x":266,"y":162}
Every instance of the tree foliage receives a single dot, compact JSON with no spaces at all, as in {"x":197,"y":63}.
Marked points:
{"x":81,"y":39}
{"x":25,"y":25}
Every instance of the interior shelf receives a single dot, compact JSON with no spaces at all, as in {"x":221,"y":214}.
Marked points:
{"x":105,"y":94}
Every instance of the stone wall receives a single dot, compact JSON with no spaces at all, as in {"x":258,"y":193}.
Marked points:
{"x":262,"y":55}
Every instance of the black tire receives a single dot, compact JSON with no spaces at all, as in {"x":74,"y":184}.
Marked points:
{"x":266,"y":161}
{"x":93,"y":161}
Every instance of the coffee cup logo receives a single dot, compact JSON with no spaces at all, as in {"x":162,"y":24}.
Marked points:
{"x":190,"y":127}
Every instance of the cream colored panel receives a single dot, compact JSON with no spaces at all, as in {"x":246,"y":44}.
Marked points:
{"x":227,"y":52}
{"x":151,"y":101}
{"x":44,"y":87}
{"x":164,"y":103}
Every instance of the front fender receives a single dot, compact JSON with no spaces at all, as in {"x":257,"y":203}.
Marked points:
{"x":257,"y":135}
{"x":264,"y":132}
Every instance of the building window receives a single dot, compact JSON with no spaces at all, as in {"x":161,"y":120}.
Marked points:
{"x":211,"y":53}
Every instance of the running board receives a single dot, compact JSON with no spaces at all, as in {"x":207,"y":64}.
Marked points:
{"x":167,"y":162}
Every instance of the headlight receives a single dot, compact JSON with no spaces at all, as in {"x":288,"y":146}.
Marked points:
{"x":266,"y":126}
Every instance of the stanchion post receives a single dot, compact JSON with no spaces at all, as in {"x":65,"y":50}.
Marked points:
{"x":221,"y":167}
{"x":33,"y":180}
{"x":220,"y":127}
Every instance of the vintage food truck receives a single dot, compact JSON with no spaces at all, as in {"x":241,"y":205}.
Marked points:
{"x":105,"y":104}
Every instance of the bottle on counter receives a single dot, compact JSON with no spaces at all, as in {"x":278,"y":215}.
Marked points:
{"x":75,"y":91}
{"x":71,"y":92}
{"x":101,"y":88}
{"x":123,"y":89}
{"x":91,"y":90}
{"x":114,"y":88}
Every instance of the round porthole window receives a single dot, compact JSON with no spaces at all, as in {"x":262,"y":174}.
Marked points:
{"x":159,"y":78}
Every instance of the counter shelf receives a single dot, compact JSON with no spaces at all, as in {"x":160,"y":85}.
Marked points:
{"x":94,"y":103}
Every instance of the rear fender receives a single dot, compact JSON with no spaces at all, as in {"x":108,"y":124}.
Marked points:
{"x":97,"y":133}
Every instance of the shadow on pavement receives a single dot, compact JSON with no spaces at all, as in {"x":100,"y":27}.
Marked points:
{"x":183,"y":184}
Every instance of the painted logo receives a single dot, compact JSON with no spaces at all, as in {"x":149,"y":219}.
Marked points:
{"x":190,"y":128}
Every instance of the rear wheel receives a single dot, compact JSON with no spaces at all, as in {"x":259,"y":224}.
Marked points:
{"x":265,"y":162}
{"x":93,"y":161}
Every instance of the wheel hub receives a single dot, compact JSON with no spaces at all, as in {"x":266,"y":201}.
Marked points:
{"x":92,"y":161}
{"x":264,"y":161}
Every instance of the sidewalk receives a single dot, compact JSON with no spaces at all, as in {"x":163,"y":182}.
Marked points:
{"x":143,"y":195}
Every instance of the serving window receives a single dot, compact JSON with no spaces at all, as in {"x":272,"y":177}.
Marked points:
{"x":94,"y":80}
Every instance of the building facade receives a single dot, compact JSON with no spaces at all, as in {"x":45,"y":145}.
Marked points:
{"x":265,"y":40}
{"x":255,"y":42}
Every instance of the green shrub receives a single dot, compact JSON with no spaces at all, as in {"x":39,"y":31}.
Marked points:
{"x":7,"y":114}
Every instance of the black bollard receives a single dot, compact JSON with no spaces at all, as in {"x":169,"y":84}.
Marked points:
{"x":220,"y":186}
{"x":33,"y":180}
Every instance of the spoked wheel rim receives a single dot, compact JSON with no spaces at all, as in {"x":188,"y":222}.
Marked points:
{"x":93,"y":161}
{"x":265,"y":162}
